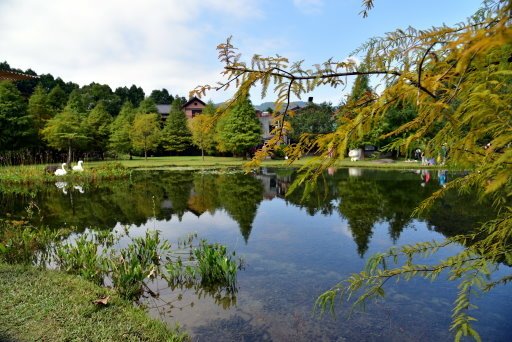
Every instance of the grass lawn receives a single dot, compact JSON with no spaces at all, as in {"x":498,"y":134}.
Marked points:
{"x":221,"y":162}
{"x":41,"y":305}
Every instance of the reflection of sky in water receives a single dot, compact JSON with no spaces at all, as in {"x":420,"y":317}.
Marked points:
{"x":291,"y":258}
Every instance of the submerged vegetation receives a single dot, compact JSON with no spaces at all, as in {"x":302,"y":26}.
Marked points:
{"x":97,"y":257}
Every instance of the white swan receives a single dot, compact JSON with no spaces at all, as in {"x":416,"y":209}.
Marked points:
{"x":79,"y":188}
{"x":78,"y":167}
{"x":62,"y":171}
{"x":62,"y":186}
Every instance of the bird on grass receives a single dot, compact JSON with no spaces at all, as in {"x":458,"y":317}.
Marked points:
{"x":79,"y":167}
{"x":62,"y":171}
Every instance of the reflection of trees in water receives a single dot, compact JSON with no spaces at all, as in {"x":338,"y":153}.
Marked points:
{"x":362,"y":205}
{"x":240,"y":196}
{"x":372,"y":197}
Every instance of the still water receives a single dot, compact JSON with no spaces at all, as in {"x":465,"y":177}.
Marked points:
{"x":293,"y":249}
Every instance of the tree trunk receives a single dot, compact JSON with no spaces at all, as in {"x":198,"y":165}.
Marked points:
{"x":202,"y":154}
{"x":69,"y":152}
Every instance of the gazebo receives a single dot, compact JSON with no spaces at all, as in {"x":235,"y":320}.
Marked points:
{"x":6,"y":75}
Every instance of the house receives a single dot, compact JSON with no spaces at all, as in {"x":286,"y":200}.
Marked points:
{"x":193,"y":107}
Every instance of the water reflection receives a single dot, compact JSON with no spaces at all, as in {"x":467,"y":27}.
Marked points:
{"x":362,"y":197}
{"x":294,"y":248}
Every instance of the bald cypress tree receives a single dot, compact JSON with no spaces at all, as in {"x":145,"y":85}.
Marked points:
{"x":176,"y":136}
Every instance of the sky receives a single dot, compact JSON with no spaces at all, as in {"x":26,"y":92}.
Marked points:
{"x":172,"y":44}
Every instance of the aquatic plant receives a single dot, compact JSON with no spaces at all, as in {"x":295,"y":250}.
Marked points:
{"x":83,"y":258}
{"x":209,"y":265}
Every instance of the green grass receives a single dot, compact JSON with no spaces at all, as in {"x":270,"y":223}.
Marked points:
{"x":104,"y":170}
{"x":30,"y":174}
{"x":47,"y":305}
{"x":195,"y":162}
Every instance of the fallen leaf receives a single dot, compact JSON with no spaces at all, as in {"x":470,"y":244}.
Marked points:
{"x":102,"y":301}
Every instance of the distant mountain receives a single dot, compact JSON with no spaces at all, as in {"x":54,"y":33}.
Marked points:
{"x":265,"y":105}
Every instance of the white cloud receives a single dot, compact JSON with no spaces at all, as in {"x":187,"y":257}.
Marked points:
{"x":309,"y":6}
{"x":154,"y":43}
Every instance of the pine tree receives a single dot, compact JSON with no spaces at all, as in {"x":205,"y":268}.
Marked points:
{"x":176,"y":136}
{"x":241,"y":130}
{"x":120,"y":141}
{"x":39,"y":110}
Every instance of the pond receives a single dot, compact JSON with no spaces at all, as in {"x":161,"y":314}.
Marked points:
{"x":293,"y":249}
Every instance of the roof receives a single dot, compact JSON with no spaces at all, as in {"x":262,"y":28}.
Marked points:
{"x":192,"y":100}
{"x":163,"y":108}
{"x":15,"y":76}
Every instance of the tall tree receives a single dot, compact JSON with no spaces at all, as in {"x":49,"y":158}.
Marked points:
{"x":57,"y":99}
{"x":176,"y":136}
{"x":64,"y":131}
{"x":145,"y":133}
{"x":460,"y":79}
{"x":242,"y":129}
{"x":135,"y":95}
{"x":161,"y":96}
{"x":39,"y":110}
{"x":147,"y":106}
{"x":313,"y":119}
{"x":120,"y":141}
{"x":16,"y":127}
{"x":202,"y":127}
{"x":97,"y":128}
{"x":93,"y":93}
{"x":76,"y":103}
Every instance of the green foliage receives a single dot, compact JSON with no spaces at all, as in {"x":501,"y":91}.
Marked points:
{"x":147,"y":106}
{"x":241,"y":129}
{"x":94,"y":93}
{"x":131,"y":266}
{"x":22,"y":243}
{"x":209,"y":265}
{"x":39,"y":109}
{"x":16,"y":126}
{"x":120,"y":128}
{"x":203,"y":131}
{"x":81,"y":258}
{"x":76,"y":103}
{"x":64,"y":131}
{"x":96,"y":127}
{"x":313,"y":119}
{"x":176,"y":136}
{"x":57,"y":99}
{"x":161,"y":96}
{"x":145,"y":134}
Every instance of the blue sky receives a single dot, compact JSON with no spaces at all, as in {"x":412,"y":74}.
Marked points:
{"x":171,"y":43}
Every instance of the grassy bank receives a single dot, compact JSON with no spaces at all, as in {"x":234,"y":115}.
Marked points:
{"x":105,"y":170}
{"x":52,"y":306}
{"x":222,"y":162}
{"x":29,"y":174}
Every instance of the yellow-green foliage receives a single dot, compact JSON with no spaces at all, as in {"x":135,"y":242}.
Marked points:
{"x":460,"y":80}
